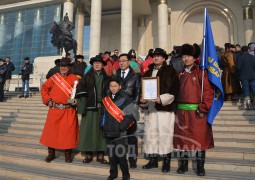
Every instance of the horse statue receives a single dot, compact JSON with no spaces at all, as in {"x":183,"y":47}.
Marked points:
{"x":62,"y":35}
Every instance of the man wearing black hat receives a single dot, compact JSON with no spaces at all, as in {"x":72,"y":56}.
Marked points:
{"x":159,"y":122}
{"x":61,"y":128}
{"x":53,"y":70}
{"x":79,"y":66}
{"x":91,"y":90}
{"x":3,"y":70}
{"x":25,"y":75}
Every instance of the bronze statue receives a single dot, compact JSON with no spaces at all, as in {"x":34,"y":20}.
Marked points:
{"x":62,"y":35}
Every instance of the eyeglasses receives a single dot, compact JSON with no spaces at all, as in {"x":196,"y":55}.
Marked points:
{"x":122,"y":61}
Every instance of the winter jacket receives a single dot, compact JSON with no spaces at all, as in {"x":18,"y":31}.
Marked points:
{"x":3,"y":69}
{"x":87,"y":88}
{"x":169,"y":83}
{"x":111,"y":127}
{"x":131,"y":85}
{"x":10,"y":68}
{"x":26,"y":71}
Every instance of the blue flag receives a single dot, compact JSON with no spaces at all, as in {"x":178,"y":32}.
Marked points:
{"x":211,"y":63}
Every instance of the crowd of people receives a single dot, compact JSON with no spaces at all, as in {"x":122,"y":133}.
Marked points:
{"x":108,"y":97}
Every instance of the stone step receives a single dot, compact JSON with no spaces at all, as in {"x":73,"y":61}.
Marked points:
{"x":21,"y":104}
{"x":10,"y":108}
{"x":25,"y":111}
{"x":233,"y":122}
{"x":31,"y":143}
{"x":237,"y":112}
{"x":13,"y":171}
{"x":235,"y":117}
{"x":234,"y":128}
{"x":14,"y":115}
{"x":35,"y":160}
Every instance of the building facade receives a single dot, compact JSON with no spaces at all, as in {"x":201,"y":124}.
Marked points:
{"x":120,"y":24}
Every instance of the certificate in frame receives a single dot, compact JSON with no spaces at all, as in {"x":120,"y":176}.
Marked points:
{"x":150,"y":88}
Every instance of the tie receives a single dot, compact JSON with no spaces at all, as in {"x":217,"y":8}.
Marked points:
{"x":123,"y":75}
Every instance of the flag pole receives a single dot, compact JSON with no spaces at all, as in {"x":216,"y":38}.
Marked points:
{"x":203,"y":55}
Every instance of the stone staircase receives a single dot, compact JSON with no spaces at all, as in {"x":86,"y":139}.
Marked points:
{"x":22,"y":157}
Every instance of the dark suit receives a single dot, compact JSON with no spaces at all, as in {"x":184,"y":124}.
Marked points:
{"x":131,"y":85}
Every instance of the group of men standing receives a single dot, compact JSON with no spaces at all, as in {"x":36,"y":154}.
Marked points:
{"x":176,"y":119}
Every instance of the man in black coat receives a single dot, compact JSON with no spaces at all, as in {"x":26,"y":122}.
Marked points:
{"x":131,"y":85}
{"x":3,"y":69}
{"x":10,"y":68}
{"x":79,"y":66}
{"x":25,"y":75}
{"x":246,"y":70}
{"x":54,"y":70}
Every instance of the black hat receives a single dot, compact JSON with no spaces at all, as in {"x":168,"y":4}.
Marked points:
{"x":57,"y":61}
{"x":160,"y":51}
{"x":107,"y":52}
{"x":97,"y":58}
{"x":191,"y":50}
{"x":26,"y":58}
{"x":79,"y":57}
{"x":65,"y":62}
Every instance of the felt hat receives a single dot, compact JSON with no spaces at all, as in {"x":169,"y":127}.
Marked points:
{"x":191,"y":50}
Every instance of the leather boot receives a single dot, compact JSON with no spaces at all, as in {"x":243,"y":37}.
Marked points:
{"x":183,"y":163}
{"x":200,"y":163}
{"x":153,"y":163}
{"x":166,"y":163}
{"x":68,"y":155}
{"x":51,"y":155}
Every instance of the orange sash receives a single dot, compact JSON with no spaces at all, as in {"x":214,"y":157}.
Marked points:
{"x":62,"y":84}
{"x":116,"y":112}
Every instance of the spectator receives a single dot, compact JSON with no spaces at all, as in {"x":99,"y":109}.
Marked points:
{"x":53,"y":70}
{"x":246,"y":71}
{"x":3,"y":70}
{"x":10,"y":68}
{"x":25,"y":75}
{"x":237,"y":52}
{"x":109,"y":63}
{"x":176,"y":61}
{"x":229,"y":77}
{"x":79,"y":66}
{"x":115,"y":56}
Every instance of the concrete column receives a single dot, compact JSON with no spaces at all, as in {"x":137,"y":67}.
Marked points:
{"x":141,"y":36}
{"x":80,"y":28}
{"x":95,"y":27}
{"x":68,"y":8}
{"x":57,"y":14}
{"x":126,"y":25}
{"x":37,"y":33}
{"x":2,"y":30}
{"x":17,"y":42}
{"x":163,"y":24}
{"x":248,"y":24}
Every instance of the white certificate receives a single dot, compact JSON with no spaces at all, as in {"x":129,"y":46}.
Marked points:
{"x":150,"y":88}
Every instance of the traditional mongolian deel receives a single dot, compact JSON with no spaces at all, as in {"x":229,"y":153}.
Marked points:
{"x":191,"y":131}
{"x":61,"y":129}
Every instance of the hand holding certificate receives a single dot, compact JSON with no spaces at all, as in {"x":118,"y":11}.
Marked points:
{"x":150,"y":88}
